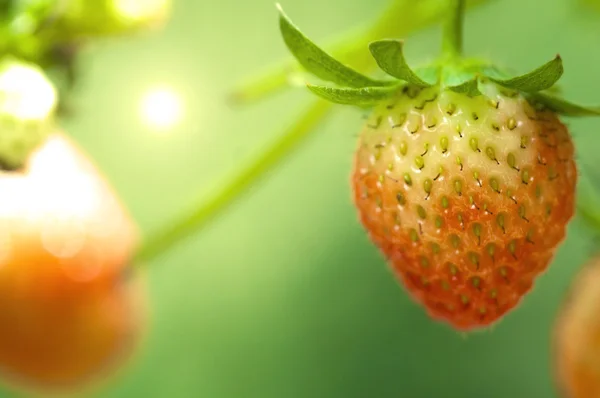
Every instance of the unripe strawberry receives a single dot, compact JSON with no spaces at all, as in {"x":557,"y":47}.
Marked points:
{"x":467,"y":197}
{"x":576,"y":338}
{"x":65,"y":243}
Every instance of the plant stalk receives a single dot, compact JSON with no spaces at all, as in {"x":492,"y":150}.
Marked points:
{"x":249,"y":175}
{"x":452,"y":39}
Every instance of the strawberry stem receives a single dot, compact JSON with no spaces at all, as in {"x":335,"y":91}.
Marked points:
{"x":452,"y":39}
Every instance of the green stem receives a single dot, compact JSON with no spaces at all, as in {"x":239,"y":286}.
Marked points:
{"x":452,"y":40}
{"x":206,"y":210}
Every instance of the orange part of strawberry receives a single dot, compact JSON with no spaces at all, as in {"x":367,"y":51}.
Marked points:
{"x":64,"y":244}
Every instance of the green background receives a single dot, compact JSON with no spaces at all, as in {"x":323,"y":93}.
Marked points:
{"x":283,"y":296}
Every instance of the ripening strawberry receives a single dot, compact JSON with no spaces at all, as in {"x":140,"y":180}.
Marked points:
{"x":467,"y":197}
{"x":75,"y":343}
{"x":576,"y":340}
{"x":66,"y":312}
{"x":464,"y":178}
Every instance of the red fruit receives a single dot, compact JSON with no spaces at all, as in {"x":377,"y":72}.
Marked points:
{"x":577,"y":337}
{"x":467,"y":197}
{"x":65,"y":310}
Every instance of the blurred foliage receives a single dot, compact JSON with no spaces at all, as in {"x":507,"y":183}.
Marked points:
{"x":52,"y":33}
{"x":591,"y":4}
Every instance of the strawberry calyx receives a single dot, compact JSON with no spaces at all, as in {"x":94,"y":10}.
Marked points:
{"x":469,"y":76}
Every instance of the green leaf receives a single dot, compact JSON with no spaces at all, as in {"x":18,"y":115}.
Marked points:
{"x":539,"y":79}
{"x":564,"y":107}
{"x":365,"y":96}
{"x":389,"y":55}
{"x":318,"y":62}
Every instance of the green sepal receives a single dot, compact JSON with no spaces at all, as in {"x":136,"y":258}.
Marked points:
{"x":490,"y":71}
{"x":539,"y":79}
{"x":363,"y":97}
{"x":428,"y":73}
{"x":469,"y":87}
{"x":564,"y":107}
{"x":318,"y":62}
{"x":389,"y":55}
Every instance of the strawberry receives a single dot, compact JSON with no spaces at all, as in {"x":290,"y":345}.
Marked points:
{"x":66,"y":311}
{"x":467,"y":197}
{"x":464,"y":177}
{"x":576,"y":339}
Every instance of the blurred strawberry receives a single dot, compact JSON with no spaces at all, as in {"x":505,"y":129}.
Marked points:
{"x":67,"y":314}
{"x":576,"y":337}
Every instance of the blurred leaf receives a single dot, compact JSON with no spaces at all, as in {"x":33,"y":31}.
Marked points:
{"x":593,"y":5}
{"x":539,"y":79}
{"x":588,"y":200}
{"x":5,"y":7}
{"x":588,"y":208}
{"x":318,"y":62}
{"x":565,"y":107}
{"x":389,"y":55}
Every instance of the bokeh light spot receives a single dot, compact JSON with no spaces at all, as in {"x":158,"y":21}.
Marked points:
{"x":26,"y":92}
{"x":140,"y":9}
{"x":161,"y":108}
